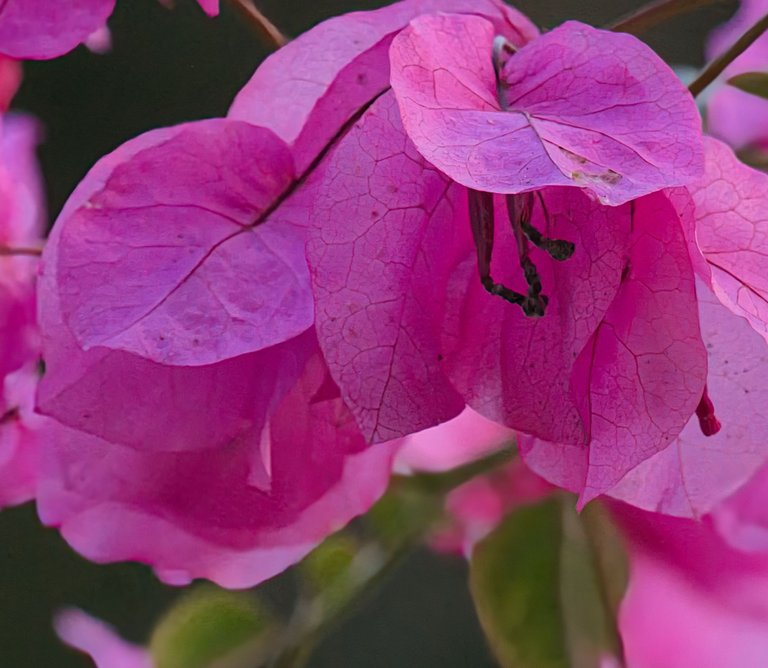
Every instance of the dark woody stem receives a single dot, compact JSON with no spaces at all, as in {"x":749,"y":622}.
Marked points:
{"x":716,"y":67}
{"x":655,"y":13}
{"x":267,"y":30}
{"x":6,"y":251}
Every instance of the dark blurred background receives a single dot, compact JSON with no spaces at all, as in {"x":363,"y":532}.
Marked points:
{"x":166,"y":67}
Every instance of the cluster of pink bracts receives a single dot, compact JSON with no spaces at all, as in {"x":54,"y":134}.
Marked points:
{"x":247,"y":322}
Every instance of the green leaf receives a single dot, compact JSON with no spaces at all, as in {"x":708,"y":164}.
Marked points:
{"x":514,"y":576}
{"x":755,"y":83}
{"x":546,"y":585}
{"x":403,"y":513}
{"x":592,"y":583}
{"x":328,"y":570}
{"x":205,"y":625}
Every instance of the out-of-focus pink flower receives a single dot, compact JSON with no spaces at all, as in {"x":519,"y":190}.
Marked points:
{"x":19,"y":434}
{"x":100,"y":40}
{"x":692,"y":601}
{"x":477,"y":507}
{"x":739,"y":118}
{"x":467,"y":437}
{"x":21,"y":225}
{"x":99,"y":641}
{"x":10,"y":80}
{"x":21,"y":221}
{"x":39,"y":29}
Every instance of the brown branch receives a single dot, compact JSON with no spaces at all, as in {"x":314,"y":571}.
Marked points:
{"x":654,"y":13}
{"x":267,"y":30}
{"x":716,"y":67}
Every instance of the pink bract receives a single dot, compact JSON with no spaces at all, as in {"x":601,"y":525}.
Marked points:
{"x":131,"y":400}
{"x":467,"y":437}
{"x":692,"y":602}
{"x":576,"y":106}
{"x":696,"y":472}
{"x":236,"y":515}
{"x":731,"y":229}
{"x":99,"y":641}
{"x":325,"y":77}
{"x":179,"y":248}
{"x":411,"y":336}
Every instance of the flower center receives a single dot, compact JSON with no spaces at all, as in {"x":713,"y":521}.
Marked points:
{"x":519,"y":210}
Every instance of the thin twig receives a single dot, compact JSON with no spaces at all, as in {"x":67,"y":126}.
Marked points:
{"x":716,"y":67}
{"x":11,"y":251}
{"x":654,"y":13}
{"x":268,"y":31}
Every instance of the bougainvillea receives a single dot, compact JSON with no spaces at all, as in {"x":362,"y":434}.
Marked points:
{"x":420,"y":233}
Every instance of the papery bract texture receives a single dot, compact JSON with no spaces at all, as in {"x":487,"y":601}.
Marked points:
{"x":131,"y":400}
{"x":323,"y":78}
{"x":217,"y":513}
{"x":388,"y":230}
{"x":576,"y":106}
{"x":523,"y":371}
{"x":645,"y":367}
{"x":179,"y":247}
{"x":38,"y":29}
{"x":732,"y":233}
{"x":696,"y":471}
{"x":402,"y":314}
{"x":99,"y":641}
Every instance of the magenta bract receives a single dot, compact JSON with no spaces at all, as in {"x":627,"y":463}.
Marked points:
{"x":179,"y":248}
{"x":236,"y":515}
{"x":576,"y":106}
